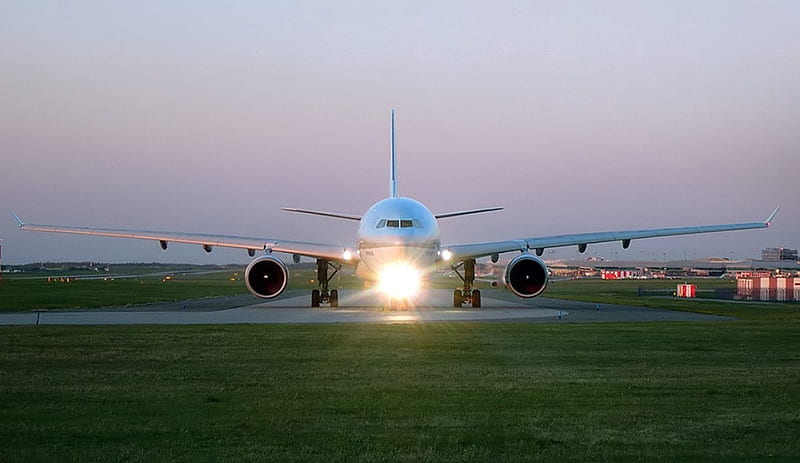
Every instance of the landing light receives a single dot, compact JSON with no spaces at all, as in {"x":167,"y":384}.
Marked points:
{"x":446,"y":255}
{"x":347,"y":255}
{"x":399,"y":281}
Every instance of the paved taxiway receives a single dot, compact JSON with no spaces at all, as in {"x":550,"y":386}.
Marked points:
{"x":355,"y":307}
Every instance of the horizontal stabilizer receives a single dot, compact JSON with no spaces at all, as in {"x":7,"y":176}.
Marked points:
{"x":473,"y":211}
{"x":325,"y":214}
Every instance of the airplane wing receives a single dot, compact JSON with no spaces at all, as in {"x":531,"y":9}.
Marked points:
{"x":330,"y":252}
{"x":461,"y":252}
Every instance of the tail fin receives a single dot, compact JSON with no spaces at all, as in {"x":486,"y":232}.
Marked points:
{"x":393,"y":178}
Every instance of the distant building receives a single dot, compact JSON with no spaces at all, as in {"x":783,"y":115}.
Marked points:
{"x":618,"y":274}
{"x":776,"y":254}
{"x":768,"y":289}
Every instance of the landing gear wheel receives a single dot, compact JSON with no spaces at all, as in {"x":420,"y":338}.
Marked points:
{"x":322,"y":295}
{"x":466,"y":295}
{"x":476,"y":299}
{"x":400,"y":303}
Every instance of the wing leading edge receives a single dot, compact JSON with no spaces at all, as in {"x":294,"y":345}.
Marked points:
{"x":470,"y":251}
{"x":208,"y":241}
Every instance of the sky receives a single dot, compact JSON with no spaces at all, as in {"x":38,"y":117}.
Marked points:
{"x":580,"y":116}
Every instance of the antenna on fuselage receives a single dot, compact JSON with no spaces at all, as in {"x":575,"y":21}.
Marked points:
{"x":393,"y":178}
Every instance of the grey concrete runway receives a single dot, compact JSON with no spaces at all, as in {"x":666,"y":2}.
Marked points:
{"x":355,"y":307}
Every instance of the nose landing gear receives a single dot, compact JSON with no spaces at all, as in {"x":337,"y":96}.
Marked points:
{"x":398,"y":304}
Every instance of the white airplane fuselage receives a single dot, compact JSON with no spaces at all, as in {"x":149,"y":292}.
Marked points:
{"x":397,"y":231}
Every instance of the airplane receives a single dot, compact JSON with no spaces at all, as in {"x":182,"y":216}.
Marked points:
{"x":398,"y":245}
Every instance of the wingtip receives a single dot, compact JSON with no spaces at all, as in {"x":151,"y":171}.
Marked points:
{"x":772,"y":216}
{"x":20,"y":223}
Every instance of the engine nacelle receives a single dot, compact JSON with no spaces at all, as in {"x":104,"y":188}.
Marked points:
{"x":526,"y":276}
{"x":266,"y":277}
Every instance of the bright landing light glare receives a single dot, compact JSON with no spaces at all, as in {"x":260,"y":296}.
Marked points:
{"x":399,"y":281}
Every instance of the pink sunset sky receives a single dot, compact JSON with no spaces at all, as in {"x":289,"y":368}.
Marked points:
{"x":575,"y":116}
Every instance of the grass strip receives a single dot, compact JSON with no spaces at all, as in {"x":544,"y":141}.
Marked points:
{"x":418,"y":392}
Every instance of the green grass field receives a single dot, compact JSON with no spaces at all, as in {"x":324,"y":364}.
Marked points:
{"x":37,"y":294}
{"x":420,"y":392}
{"x":407,"y":392}
{"x":625,"y":292}
{"x":40,"y":294}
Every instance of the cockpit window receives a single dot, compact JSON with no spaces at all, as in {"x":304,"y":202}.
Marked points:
{"x":399,"y":223}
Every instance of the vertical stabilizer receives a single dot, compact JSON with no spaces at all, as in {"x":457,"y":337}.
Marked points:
{"x":393,"y":178}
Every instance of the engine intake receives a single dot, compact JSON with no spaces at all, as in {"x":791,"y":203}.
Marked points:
{"x":526,"y":276}
{"x":266,"y":277}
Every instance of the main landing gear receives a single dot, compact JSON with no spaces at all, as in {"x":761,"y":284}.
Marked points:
{"x":322,"y":295}
{"x":467,"y":295}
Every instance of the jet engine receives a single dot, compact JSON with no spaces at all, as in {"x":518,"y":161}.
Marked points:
{"x":526,"y":276}
{"x":266,"y":277}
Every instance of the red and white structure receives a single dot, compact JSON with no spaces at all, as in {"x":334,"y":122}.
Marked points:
{"x":769,"y":289}
{"x":688,"y":291}
{"x":618,"y":274}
